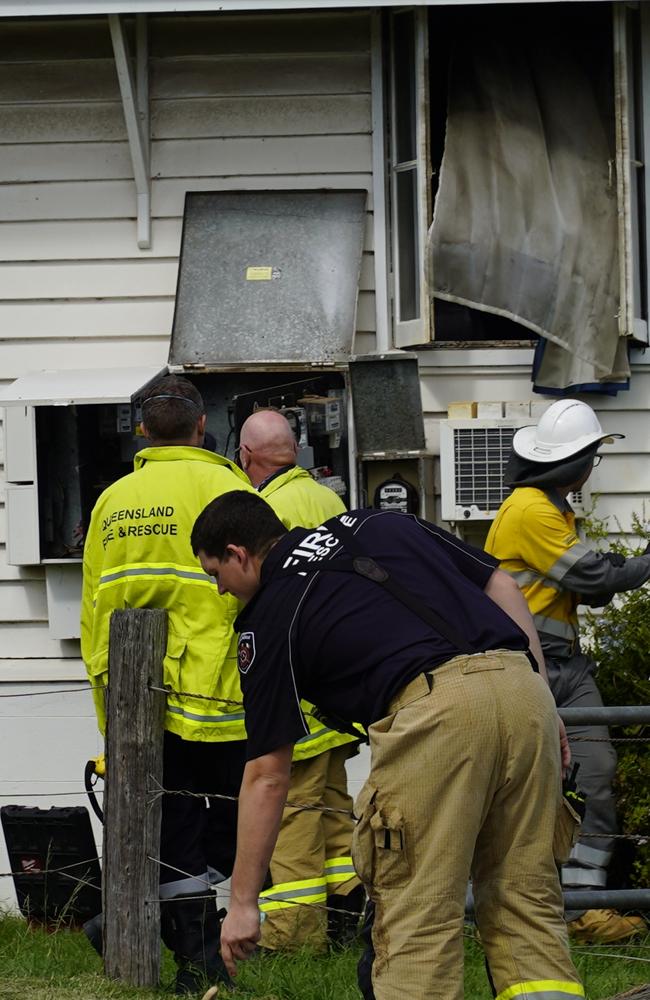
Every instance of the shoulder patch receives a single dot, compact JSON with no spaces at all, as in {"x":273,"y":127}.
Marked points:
{"x":245,"y":651}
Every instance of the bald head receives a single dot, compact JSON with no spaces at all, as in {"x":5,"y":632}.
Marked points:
{"x":267,"y":443}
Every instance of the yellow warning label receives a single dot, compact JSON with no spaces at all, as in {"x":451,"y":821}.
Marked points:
{"x":259,"y":273}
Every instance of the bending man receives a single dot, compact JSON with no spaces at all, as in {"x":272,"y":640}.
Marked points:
{"x":457,"y":783}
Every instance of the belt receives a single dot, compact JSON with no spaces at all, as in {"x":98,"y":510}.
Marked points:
{"x":423,"y":683}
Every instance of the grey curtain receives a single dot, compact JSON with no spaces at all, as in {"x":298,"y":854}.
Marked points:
{"x":525,"y":221}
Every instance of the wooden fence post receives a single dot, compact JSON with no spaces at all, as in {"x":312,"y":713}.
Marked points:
{"x":134,"y":734}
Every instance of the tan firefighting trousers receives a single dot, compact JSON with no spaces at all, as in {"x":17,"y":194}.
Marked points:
{"x":312,"y":856}
{"x":465,"y":779}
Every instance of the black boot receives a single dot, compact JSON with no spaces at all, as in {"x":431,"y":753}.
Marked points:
{"x":94,"y":931}
{"x":191,"y":928}
{"x":343,"y":917}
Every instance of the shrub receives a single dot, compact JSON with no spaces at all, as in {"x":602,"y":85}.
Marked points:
{"x":618,"y":639}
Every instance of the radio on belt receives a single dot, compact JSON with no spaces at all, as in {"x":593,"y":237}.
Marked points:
{"x":397,"y":494}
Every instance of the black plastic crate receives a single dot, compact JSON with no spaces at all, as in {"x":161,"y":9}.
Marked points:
{"x":41,"y":842}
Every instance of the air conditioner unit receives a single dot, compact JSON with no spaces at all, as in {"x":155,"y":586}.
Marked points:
{"x":473,"y":456}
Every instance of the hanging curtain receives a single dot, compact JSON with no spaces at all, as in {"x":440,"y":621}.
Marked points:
{"x":525,"y":221}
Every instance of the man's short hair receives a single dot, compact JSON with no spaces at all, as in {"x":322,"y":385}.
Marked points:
{"x":171,"y":408}
{"x":236,"y":518}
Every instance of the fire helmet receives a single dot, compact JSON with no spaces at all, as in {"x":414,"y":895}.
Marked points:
{"x":566,"y":428}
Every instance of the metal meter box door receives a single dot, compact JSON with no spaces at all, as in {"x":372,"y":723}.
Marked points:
{"x":265,"y":315}
{"x":394,"y":466}
{"x":68,"y":435}
{"x":268,"y":278}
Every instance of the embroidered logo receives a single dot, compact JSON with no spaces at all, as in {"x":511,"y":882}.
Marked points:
{"x":246,"y":651}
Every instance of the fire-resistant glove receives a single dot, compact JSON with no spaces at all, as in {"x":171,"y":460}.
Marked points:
{"x":615,"y":558}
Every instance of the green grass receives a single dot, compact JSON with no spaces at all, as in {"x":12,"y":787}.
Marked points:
{"x":36,"y":965}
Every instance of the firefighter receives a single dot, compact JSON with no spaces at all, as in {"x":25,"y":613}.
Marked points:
{"x":534,"y":538}
{"x":311,"y":861}
{"x":137,"y":554}
{"x":442,"y":683}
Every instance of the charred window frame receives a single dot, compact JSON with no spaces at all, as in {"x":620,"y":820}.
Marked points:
{"x":632,"y":59}
{"x":409,"y":175}
{"x":419,"y":41}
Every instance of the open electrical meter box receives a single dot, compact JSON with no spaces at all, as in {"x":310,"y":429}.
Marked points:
{"x":265,"y":314}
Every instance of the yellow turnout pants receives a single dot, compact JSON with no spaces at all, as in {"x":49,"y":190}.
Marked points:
{"x":465,"y":778}
{"x":312,"y":855}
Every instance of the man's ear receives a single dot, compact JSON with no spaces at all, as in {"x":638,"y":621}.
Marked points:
{"x":238,"y":552}
{"x":144,"y":430}
{"x":200,"y":424}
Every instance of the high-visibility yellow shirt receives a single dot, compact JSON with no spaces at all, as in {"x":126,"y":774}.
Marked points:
{"x":298,"y":499}
{"x":536,"y":543}
{"x":137,"y":554}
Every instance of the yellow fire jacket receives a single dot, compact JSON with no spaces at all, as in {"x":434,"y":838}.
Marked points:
{"x":138,"y":555}
{"x":298,"y":499}
{"x":534,"y":538}
{"x":535,"y":541}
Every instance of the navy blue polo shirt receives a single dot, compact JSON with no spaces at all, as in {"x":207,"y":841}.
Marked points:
{"x":344,"y":643}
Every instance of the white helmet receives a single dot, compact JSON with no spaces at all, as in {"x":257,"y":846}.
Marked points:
{"x":566,"y":428}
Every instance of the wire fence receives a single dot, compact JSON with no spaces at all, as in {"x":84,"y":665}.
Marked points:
{"x":607,"y":715}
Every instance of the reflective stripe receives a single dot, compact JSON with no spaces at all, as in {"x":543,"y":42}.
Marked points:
{"x":194,"y":717}
{"x":157,"y":570}
{"x":305,"y":891}
{"x":542,"y":989}
{"x":185,"y":886}
{"x":568,"y":559}
{"x":339,"y":869}
{"x":591,"y":856}
{"x":216,"y":876}
{"x":563,"y":630}
{"x":316,"y":735}
{"x":526,"y":577}
{"x":594,"y":878}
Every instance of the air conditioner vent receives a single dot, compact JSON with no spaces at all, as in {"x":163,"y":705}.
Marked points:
{"x":473,"y":457}
{"x":481,"y":454}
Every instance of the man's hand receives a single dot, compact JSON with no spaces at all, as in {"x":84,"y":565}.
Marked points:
{"x":261,"y":801}
{"x":240,"y":933}
{"x":565,"y":750}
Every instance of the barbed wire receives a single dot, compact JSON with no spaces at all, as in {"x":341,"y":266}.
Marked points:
{"x":604,"y":954}
{"x":306,"y":806}
{"x":198,"y":697}
{"x":226,"y":892}
{"x":222,"y":890}
{"x":156,"y":793}
{"x":53,"y":871}
{"x":36,"y":694}
{"x":47,"y":795}
{"x":233,"y":703}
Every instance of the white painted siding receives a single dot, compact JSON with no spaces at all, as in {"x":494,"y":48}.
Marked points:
{"x":276,"y":101}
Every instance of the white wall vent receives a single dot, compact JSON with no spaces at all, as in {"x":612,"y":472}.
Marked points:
{"x":473,"y":456}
